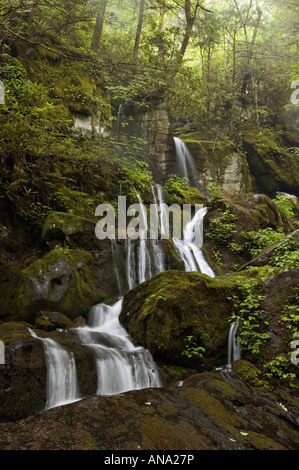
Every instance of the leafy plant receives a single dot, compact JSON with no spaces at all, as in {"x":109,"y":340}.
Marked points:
{"x":192,"y":350}
{"x":262,"y":238}
{"x":278,"y":367}
{"x":222,"y":228}
{"x":284,"y":205}
{"x":248,"y":305}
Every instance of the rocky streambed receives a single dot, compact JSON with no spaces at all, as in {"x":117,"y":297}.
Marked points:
{"x":219,"y":410}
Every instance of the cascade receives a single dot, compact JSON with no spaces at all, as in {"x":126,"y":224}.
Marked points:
{"x":234,"y":348}
{"x":118,"y":120}
{"x":189,"y":252}
{"x":163,"y":212}
{"x":145,"y":258}
{"x":62,"y":384}
{"x":186,"y":165}
{"x":120,"y":365}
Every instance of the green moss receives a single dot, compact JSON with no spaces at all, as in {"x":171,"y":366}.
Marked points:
{"x":63,"y":280}
{"x":250,"y":373}
{"x":68,"y":83}
{"x":274,"y":168}
{"x":225,"y":387}
{"x":173,"y":305}
{"x":13,"y":331}
{"x":212,"y":406}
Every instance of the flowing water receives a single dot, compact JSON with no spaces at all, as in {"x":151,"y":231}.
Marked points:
{"x":186,"y":165}
{"x":62,"y":383}
{"x":120,"y":365}
{"x":234,"y":347}
{"x":190,"y":248}
{"x":145,"y":257}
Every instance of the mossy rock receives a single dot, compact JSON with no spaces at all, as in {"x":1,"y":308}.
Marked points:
{"x":228,"y":222}
{"x":272,"y":166}
{"x":49,"y":321}
{"x":163,"y":312}
{"x":62,"y":228}
{"x":63,"y":280}
{"x":69,"y":84}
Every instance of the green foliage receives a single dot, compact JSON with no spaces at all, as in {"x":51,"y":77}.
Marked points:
{"x":134,"y":178}
{"x":192,"y":350}
{"x":278,"y":368}
{"x":286,"y":255}
{"x":284,"y":205}
{"x":176,"y":184}
{"x":222,"y":228}
{"x":249,"y":310}
{"x":290,"y":314}
{"x":262,"y":238}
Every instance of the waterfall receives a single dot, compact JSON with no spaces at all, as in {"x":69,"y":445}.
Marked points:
{"x":120,"y":365}
{"x":144,"y":258}
{"x":189,"y":249}
{"x":62,"y":384}
{"x":163,"y":212}
{"x":186,"y":165}
{"x":234,"y":348}
{"x":118,"y":118}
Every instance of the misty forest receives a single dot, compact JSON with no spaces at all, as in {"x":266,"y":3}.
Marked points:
{"x":149,"y":225}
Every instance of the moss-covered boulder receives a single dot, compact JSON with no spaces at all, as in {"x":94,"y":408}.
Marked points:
{"x":49,"y":321}
{"x":62,"y":280}
{"x":229,"y":224}
{"x":62,"y":228}
{"x":272,"y":166}
{"x":182,"y":318}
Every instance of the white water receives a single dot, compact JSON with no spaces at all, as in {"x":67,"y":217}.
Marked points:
{"x":186,"y":165}
{"x":145,"y":257}
{"x":234,"y":347}
{"x":120,"y":365}
{"x":189,"y":249}
{"x":62,"y":384}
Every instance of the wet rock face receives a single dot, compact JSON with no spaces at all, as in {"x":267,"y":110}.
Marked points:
{"x":23,"y":376}
{"x":211,"y":411}
{"x":216,"y":162}
{"x":153,"y":127}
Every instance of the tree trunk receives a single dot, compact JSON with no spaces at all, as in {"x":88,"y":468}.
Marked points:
{"x":139,"y":27}
{"x":98,"y":29}
{"x":190,"y":22}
